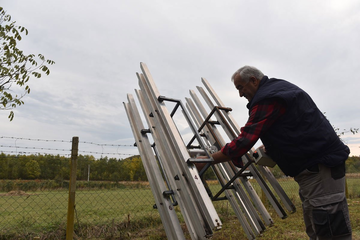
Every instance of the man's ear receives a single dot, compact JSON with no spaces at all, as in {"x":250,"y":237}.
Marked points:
{"x":254,"y":80}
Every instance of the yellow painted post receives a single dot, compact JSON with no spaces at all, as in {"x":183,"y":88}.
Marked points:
{"x":72,"y":187}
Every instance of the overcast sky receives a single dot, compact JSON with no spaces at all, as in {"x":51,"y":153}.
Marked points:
{"x":98,"y":47}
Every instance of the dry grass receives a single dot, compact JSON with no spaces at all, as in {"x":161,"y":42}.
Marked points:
{"x":16,"y":193}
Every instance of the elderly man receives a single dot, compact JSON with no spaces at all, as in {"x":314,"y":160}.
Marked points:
{"x":302,"y":142}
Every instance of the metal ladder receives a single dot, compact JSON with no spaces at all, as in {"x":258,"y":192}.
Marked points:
{"x":174,"y":179}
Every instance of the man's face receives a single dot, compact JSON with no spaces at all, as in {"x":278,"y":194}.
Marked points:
{"x":246,"y":89}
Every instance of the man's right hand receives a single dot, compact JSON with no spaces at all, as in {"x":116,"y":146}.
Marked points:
{"x":200,"y":166}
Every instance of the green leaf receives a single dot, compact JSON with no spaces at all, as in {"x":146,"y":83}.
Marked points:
{"x":11,"y":116}
{"x":44,"y":68}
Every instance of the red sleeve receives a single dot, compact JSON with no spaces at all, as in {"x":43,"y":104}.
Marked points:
{"x":262,"y":116}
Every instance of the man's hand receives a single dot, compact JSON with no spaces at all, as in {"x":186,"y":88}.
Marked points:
{"x":218,"y":157}
{"x":200,"y":166}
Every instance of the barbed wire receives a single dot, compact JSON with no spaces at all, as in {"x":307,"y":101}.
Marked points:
{"x":36,"y":139}
{"x":68,"y":141}
{"x":38,"y":148}
{"x":60,"y":149}
{"x":128,"y":154}
{"x":106,"y":144}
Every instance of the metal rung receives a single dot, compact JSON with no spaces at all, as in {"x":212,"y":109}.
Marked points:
{"x":196,"y":151}
{"x":200,"y":160}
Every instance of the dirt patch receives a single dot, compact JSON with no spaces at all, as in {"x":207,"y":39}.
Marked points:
{"x":17,"y":193}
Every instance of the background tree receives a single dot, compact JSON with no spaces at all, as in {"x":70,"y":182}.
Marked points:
{"x":15,"y":66}
{"x":32,"y":169}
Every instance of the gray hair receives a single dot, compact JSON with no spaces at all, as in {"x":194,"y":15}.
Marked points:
{"x":247,"y":72}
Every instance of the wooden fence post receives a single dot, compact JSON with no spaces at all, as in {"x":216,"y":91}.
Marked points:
{"x":72,"y":187}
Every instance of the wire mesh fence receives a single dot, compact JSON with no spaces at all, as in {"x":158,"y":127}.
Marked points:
{"x":110,"y":209}
{"x":42,"y":210}
{"x":37,"y":209}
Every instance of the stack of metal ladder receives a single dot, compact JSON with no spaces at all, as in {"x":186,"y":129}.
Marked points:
{"x":169,"y":163}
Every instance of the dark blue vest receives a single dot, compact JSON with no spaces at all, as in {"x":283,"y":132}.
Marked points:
{"x":303,"y":136}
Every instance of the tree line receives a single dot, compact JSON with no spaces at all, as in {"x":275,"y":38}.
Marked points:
{"x":56,"y":167}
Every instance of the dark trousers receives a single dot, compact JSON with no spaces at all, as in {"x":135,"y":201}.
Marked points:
{"x":325,"y":210}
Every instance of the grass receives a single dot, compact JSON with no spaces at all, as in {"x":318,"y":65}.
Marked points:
{"x":129,"y":214}
{"x":291,"y":228}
